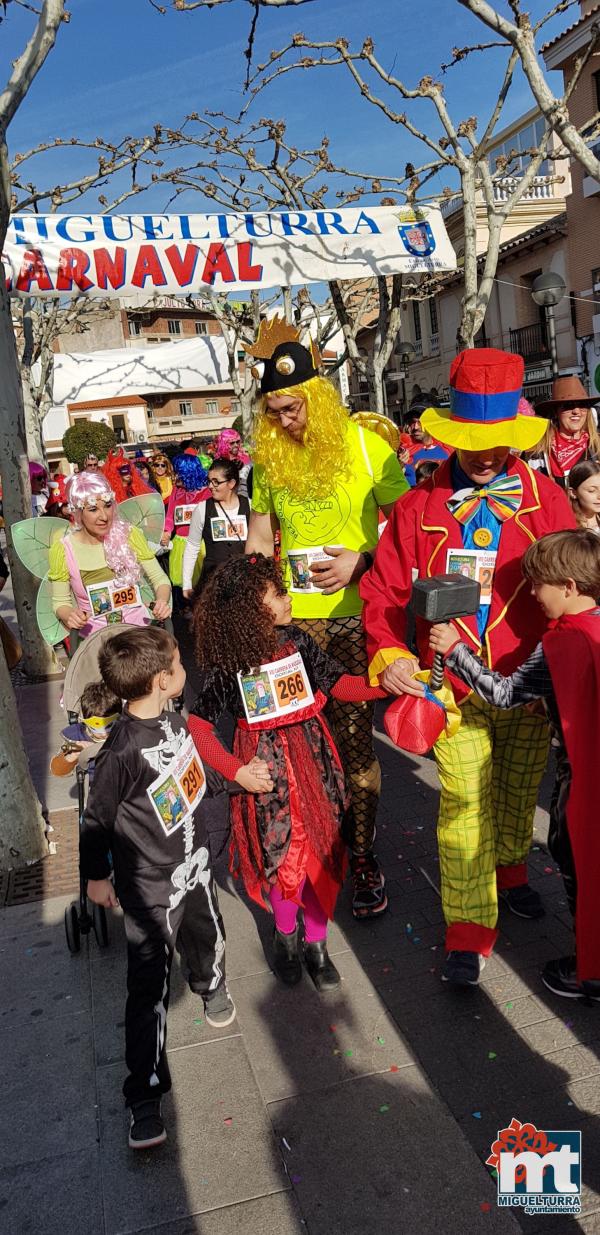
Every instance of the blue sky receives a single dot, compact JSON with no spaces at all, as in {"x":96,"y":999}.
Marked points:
{"x":119,"y":66}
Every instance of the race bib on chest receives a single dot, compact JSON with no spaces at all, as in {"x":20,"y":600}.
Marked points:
{"x":277,"y":689}
{"x":478,"y":564}
{"x":300,"y":562}
{"x":177,"y":791}
{"x":182,"y":515}
{"x":108,"y":599}
{"x":234,"y":528}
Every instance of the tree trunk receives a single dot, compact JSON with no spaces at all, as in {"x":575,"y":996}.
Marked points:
{"x":22,"y":827}
{"x":378,"y":395}
{"x":38,"y":657}
{"x":247,"y":398}
{"x":33,"y":423}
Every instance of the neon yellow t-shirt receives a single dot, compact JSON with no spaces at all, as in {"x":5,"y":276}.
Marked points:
{"x":349,"y":516}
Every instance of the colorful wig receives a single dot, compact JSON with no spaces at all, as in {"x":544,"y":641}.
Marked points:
{"x":37,"y":472}
{"x":311,"y":468}
{"x":189,"y":473}
{"x":85,"y":490}
{"x":114,"y":460}
{"x":221,"y":447}
{"x":165,"y":480}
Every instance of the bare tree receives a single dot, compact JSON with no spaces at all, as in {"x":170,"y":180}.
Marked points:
{"x":520,"y":37}
{"x":258,"y":168}
{"x":461,"y":149}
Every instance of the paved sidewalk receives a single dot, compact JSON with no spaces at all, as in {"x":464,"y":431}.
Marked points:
{"x":369,"y":1111}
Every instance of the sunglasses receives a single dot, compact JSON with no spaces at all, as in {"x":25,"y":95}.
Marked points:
{"x":159,"y":467}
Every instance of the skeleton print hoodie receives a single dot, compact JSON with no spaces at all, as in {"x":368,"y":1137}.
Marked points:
{"x":143,"y":809}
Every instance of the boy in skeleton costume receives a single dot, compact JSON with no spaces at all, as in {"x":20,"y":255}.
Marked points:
{"x":143,"y":809}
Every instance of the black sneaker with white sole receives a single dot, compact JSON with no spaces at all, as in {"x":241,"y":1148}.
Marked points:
{"x":523,"y":901}
{"x":146,"y":1129}
{"x":368,"y":886}
{"x":462,"y":968}
{"x":560,"y":977}
{"x":219,"y":1008}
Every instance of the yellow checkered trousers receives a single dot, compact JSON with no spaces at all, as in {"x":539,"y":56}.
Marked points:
{"x":490,"y":773}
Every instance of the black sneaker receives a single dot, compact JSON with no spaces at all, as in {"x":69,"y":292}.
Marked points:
{"x":523,"y":901}
{"x":368,"y":886}
{"x":146,"y":1129}
{"x":462,"y":968}
{"x":561,"y":978}
{"x":219,"y":1008}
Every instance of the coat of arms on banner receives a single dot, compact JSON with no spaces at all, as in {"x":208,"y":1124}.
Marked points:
{"x":417,"y":238}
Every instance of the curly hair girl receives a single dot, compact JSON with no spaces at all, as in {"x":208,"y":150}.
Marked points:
{"x":233,"y":629}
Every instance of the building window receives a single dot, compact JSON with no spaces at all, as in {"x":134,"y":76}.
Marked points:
{"x":212,"y":407}
{"x":186,"y":408}
{"x":596,"y":79}
{"x":174,"y":325}
{"x":235,"y":407}
{"x":416,"y":309}
{"x":201,"y":327}
{"x":596,"y":280}
{"x":433,"y":316}
{"x":135,"y":327}
{"x":241,"y":355}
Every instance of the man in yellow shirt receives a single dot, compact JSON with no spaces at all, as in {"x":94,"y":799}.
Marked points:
{"x":320,"y":481}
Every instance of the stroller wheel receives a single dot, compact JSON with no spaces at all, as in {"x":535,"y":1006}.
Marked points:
{"x":100,"y":925}
{"x":72,"y":928}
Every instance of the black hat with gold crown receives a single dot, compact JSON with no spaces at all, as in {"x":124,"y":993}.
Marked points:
{"x":280,"y":360}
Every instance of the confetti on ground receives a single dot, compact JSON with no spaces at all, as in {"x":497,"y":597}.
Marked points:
{"x":383,"y":1109}
{"x":386,"y":968}
{"x":569,"y":1024}
{"x":394,"y":1067}
{"x":416,"y":939}
{"x":381,"y":1041}
{"x":569,"y":1103}
{"x":296,"y":1179}
{"x":408,"y":928}
{"x":333,"y":1028}
{"x":284,"y":1142}
{"x":476,"y":1114}
{"x":477,"y":1018}
{"x":347,"y":1052}
{"x":492,"y":1055}
{"x":336,"y":1052}
{"x":485,"y":1207}
{"x":199,"y":1020}
{"x":547,"y":870}
{"x":510,"y":1005}
{"x":228,"y":1121}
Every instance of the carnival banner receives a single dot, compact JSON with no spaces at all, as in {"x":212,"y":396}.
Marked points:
{"x":104,"y":255}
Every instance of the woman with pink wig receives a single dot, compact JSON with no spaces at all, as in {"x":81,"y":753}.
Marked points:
{"x":228,"y":445}
{"x":95,"y":570}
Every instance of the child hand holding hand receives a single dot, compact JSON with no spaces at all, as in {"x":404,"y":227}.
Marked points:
{"x":442,"y":637}
{"x":255,"y":776}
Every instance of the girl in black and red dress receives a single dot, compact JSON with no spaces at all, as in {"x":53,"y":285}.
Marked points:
{"x":273,"y":678}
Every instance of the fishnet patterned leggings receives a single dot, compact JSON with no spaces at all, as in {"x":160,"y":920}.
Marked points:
{"x":352,"y":724}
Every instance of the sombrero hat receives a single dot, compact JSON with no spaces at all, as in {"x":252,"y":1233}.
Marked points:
{"x":485,"y":388}
{"x":566,"y":391}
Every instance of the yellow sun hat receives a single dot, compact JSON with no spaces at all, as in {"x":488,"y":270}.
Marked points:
{"x":485,"y":388}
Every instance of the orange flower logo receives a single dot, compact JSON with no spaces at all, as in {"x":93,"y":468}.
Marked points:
{"x":519,"y":1138}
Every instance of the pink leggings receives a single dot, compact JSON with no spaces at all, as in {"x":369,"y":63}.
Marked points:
{"x":286,"y":912}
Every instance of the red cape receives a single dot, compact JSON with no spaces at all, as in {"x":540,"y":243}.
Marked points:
{"x":572,"y":651}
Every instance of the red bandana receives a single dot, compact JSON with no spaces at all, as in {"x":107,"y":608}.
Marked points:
{"x":565,"y":451}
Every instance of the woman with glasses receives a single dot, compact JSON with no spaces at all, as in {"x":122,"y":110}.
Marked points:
{"x":221,"y":523}
{"x":163,"y":474}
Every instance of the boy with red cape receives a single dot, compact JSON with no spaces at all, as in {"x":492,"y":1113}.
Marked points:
{"x":564,"y":670}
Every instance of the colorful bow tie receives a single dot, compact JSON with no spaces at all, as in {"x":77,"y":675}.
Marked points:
{"x":503,"y":496}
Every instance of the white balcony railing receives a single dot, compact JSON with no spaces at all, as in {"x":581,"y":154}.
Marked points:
{"x":540,"y":188}
{"x":418,"y":349}
{"x":434,"y":345}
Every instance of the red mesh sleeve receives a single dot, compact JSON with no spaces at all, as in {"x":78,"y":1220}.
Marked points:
{"x":352,"y":689}
{"x":211,"y":749}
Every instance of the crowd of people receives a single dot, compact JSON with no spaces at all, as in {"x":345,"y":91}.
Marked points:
{"x":297,"y":570}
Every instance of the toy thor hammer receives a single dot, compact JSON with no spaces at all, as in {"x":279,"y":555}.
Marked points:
{"x":415,"y":723}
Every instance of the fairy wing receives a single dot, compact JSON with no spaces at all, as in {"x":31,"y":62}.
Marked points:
{"x":32,"y":539}
{"x":146,"y":512}
{"x":52,"y":630}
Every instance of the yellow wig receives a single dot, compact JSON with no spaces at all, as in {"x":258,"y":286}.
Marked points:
{"x":311,"y":468}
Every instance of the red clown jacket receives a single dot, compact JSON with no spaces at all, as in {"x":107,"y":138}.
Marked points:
{"x":419,"y":532}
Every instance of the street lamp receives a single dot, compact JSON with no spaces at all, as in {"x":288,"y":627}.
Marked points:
{"x":547,"y":290}
{"x":406,"y":354}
